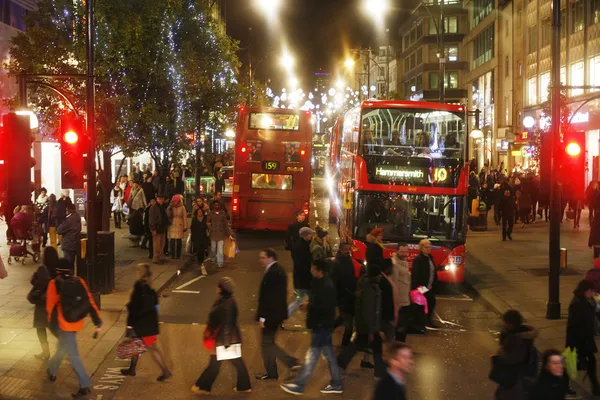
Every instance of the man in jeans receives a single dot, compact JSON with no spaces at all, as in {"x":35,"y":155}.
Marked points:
{"x":158,"y":221}
{"x":321,"y":319}
{"x":67,"y":331}
{"x":302,"y":261}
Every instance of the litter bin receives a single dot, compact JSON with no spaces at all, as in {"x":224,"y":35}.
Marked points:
{"x":104,"y":271}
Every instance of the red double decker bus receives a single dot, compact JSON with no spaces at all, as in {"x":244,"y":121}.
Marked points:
{"x":272,"y":168}
{"x":400,"y":166}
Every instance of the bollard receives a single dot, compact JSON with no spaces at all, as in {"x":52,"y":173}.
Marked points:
{"x":563,"y":258}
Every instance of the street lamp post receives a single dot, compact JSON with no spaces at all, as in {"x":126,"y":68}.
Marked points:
{"x":553,"y":306}
{"x":442,"y":56}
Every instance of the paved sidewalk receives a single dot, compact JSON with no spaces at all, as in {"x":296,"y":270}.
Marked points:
{"x":22,"y":376}
{"x":514,"y":274}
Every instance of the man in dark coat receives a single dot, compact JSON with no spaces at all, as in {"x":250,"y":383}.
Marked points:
{"x":292,"y":236}
{"x":393,"y":384}
{"x":148,"y":189}
{"x":508,"y":209}
{"x":321,"y":320}
{"x":368,"y":321}
{"x":344,"y":281}
{"x":424,"y":275}
{"x":271,"y":312}
{"x":61,"y":207}
{"x":302,"y":261}
{"x":70,"y":229}
{"x":219,"y":183}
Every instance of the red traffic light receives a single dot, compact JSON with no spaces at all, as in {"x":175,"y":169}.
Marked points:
{"x":70,"y":137}
{"x":573,"y":149}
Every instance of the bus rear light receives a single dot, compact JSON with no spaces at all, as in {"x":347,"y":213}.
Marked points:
{"x":234,"y":206}
{"x":235,"y":200}
{"x":244,"y":149}
{"x":302,"y":152}
{"x":306,"y":211}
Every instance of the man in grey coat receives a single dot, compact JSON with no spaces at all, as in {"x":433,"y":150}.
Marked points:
{"x":70,"y":230}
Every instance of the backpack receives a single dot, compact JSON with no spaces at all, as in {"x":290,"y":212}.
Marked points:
{"x":74,"y":299}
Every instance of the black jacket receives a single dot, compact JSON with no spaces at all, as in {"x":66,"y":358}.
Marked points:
{"x":387,"y":300}
{"x":421,"y":272}
{"x":224,"y":315}
{"x":321,"y":309}
{"x":508,"y":206}
{"x":594,"y":239}
{"x":374,"y":251}
{"x":292,"y":236}
{"x":149,"y":191}
{"x":302,"y":260}
{"x":368,"y":307}
{"x":61,"y":208}
{"x":272,"y":297}
{"x":388,"y":389}
{"x":198,"y":229}
{"x":344,"y":281}
{"x":547,"y":387}
{"x":219,"y":185}
{"x":142,"y":314}
{"x":581,"y":325}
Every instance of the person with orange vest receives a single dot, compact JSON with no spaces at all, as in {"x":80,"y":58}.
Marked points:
{"x":68,"y":301}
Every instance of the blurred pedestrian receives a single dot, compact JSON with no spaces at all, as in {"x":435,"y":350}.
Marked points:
{"x":61,"y":210}
{"x":223,"y":317}
{"x":219,"y":231}
{"x":424,"y":275}
{"x":390,"y":306}
{"x":320,"y":249}
{"x":137,"y":198}
{"x":117,"y":204}
{"x":593,"y":275}
{"x":219,"y":183}
{"x":70,"y":230}
{"x":401,"y":277}
{"x":581,"y":329}
{"x":148,"y":188}
{"x":375,"y":247}
{"x":37,"y":296}
{"x":302,"y":259}
{"x":64,"y":300}
{"x":292,"y":236}
{"x":368,"y":322}
{"x":321,"y":320}
{"x":147,"y":242}
{"x":158,"y":223}
{"x":218,"y":199}
{"x":591,"y":199}
{"x":142,"y":320}
{"x":508,"y":208}
{"x":549,"y":384}
{"x":199,"y":227}
{"x":178,"y":225}
{"x":270,"y":314}
{"x":400,"y":362}
{"x":344,"y":280}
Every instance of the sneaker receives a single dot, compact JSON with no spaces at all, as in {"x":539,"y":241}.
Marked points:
{"x":332,"y":389}
{"x":235,"y":389}
{"x":197,"y":390}
{"x":203,"y":269}
{"x":292,"y":388}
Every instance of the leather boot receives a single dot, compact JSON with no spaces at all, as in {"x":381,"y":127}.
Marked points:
{"x":131,"y":370}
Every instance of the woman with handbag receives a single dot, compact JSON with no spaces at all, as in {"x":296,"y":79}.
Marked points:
{"x":222,"y":327}
{"x":37,"y":296}
{"x":142,"y":321}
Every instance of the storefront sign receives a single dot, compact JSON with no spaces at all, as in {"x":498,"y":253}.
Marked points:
{"x":399,"y":173}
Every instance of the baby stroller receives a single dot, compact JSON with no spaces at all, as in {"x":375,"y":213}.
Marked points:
{"x":24,"y":231}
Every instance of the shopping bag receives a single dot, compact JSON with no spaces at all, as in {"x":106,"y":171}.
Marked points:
{"x":130,"y":347}
{"x":230,"y":353}
{"x":209,"y":338}
{"x":419,"y":298}
{"x":570,"y":355}
{"x":229,"y":248}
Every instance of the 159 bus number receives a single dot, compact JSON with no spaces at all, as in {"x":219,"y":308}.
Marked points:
{"x":270,"y":165}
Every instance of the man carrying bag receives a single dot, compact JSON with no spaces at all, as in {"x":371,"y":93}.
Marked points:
{"x":68,"y":302}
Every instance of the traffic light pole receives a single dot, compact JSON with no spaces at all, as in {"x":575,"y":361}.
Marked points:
{"x":91,"y":177}
{"x":553,"y":306}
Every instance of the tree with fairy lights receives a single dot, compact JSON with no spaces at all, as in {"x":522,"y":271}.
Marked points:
{"x":164,"y":69}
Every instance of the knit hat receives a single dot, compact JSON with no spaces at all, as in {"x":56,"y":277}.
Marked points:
{"x":377,"y":231}
{"x":305,"y":231}
{"x":596,"y":263}
{"x":321,"y":233}
{"x":226,"y":284}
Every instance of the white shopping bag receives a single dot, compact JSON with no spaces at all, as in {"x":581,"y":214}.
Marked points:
{"x":230,"y":353}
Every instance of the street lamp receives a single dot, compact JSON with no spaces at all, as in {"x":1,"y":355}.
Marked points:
{"x":376,"y":9}
{"x":287,"y":61}
{"x":269,"y":8}
{"x":349,"y":63}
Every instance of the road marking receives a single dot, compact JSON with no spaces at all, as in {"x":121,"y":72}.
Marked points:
{"x":190,"y":282}
{"x":464,"y":297}
{"x":187,"y":291}
{"x":447,"y":322}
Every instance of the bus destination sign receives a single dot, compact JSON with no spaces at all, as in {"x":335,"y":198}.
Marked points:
{"x":400,"y":173}
{"x":270,"y":165}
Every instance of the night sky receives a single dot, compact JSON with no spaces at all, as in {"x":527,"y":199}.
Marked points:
{"x":317,"y":33}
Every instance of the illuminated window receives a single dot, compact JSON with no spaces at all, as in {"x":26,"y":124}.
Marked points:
{"x":546,"y":32}
{"x":594,"y":12}
{"x":577,"y":77}
{"x":481,"y":9}
{"x":533,"y":45}
{"x":451,"y":53}
{"x":483,"y":46}
{"x":544,"y":85}
{"x":595,"y":72}
{"x":532,"y":91}
{"x":451,"y":81}
{"x":577,"y":16}
{"x":272,"y":181}
{"x":434,"y":80}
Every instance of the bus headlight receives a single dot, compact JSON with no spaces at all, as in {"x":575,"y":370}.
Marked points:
{"x":450,"y":267}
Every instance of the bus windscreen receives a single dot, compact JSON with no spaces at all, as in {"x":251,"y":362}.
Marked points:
{"x":275,"y":121}
{"x":272,"y":181}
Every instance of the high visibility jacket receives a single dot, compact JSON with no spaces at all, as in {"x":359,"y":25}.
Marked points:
{"x":53,"y":300}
